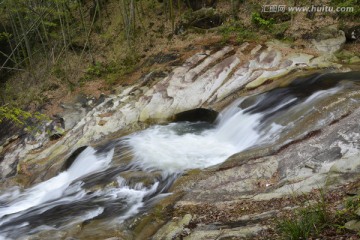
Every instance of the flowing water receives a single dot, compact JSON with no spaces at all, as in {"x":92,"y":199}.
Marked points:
{"x":95,"y":185}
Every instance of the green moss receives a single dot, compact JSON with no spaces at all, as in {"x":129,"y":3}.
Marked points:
{"x":346,"y":56}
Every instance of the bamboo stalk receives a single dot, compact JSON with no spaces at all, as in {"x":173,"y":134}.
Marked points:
{"x":10,"y":44}
{"x":26,"y":39}
{"x":172,"y":15}
{"x":20,"y":40}
{"x":16,"y":35}
{"x":81,"y":15}
{"x":88,"y":36}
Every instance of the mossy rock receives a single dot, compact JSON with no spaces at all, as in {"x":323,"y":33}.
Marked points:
{"x":174,"y":228}
{"x":354,"y":59}
{"x":347,"y":57}
{"x":353,"y":225}
{"x":148,"y":224}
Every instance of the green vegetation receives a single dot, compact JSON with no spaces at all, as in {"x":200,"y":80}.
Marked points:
{"x":112,"y":71}
{"x":96,"y":70}
{"x":14,"y":114}
{"x":43,"y":42}
{"x":261,"y":22}
{"x":38,"y":28}
{"x":65,"y":45}
{"x":347,"y":3}
{"x":238,"y":30}
{"x":308,"y":221}
{"x":279,"y":29}
{"x":19,"y":116}
{"x":351,"y":206}
{"x":316,"y":218}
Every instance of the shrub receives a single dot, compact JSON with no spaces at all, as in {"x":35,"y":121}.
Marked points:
{"x":261,"y":22}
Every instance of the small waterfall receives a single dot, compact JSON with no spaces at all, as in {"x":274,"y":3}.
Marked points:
{"x":165,"y":151}
{"x":168,"y":149}
{"x":54,"y":188}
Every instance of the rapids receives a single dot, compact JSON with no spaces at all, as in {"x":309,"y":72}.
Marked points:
{"x":94,"y":186}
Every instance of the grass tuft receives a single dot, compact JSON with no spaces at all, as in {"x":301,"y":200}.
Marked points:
{"x":307,"y":221}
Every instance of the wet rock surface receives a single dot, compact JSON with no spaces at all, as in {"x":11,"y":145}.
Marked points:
{"x":216,"y":202}
{"x":217,"y":76}
{"x":240,"y":194}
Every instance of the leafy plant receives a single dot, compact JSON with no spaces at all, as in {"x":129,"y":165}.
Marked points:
{"x":96,"y":70}
{"x":261,"y":22}
{"x":19,"y":116}
{"x":238,"y":30}
{"x":352,"y":204}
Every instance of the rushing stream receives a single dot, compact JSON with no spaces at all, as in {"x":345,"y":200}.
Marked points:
{"x":95,"y":186}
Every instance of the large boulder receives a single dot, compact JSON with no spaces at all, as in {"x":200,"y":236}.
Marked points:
{"x":329,"y":39}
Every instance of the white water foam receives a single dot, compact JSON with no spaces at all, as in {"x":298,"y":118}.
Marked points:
{"x":86,"y":163}
{"x":157,"y":148}
{"x":162,"y":148}
{"x":63,"y":189}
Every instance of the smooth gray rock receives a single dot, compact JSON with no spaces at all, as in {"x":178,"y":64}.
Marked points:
{"x":172,"y":229}
{"x":357,"y":212}
{"x":233,"y":233}
{"x":203,"y":80}
{"x":353,"y":225}
{"x":329,"y":40}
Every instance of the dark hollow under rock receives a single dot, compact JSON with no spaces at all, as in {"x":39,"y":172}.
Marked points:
{"x":352,"y":34}
{"x":208,"y":22}
{"x":197,"y":115}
